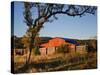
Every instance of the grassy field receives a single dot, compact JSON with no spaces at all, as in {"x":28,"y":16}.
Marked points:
{"x":56,"y":62}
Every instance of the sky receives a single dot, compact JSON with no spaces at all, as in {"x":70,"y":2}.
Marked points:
{"x":66,"y":26}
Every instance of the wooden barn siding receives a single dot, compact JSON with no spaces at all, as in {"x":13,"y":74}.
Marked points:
{"x":43,"y":51}
{"x":72,"y":48}
{"x":51,"y":50}
{"x":47,"y":51}
{"x":81,"y":49}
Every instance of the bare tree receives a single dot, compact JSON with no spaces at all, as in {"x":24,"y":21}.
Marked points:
{"x":36,"y":14}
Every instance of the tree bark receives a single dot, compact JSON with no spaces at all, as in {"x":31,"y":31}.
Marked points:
{"x":30,"y":48}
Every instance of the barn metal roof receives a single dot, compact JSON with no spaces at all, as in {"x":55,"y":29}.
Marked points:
{"x":71,"y":41}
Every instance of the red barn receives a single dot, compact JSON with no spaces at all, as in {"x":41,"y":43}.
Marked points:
{"x":50,"y":47}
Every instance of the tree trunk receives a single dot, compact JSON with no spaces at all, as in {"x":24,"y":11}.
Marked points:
{"x":30,"y":48}
{"x":32,"y":39}
{"x":30,"y":51}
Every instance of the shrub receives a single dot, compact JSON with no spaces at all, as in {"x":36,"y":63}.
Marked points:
{"x":36,"y":51}
{"x":62,"y":49}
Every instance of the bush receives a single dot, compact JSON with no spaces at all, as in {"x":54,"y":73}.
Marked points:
{"x":36,"y":51}
{"x":62,"y":49}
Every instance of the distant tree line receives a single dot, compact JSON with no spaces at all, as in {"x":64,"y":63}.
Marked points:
{"x":19,"y":42}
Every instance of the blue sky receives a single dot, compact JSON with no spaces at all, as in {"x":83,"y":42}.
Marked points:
{"x":66,"y":26}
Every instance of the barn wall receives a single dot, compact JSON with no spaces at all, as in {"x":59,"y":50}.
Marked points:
{"x":42,"y":51}
{"x":51,"y":50}
{"x":72,"y":48}
{"x":81,"y":49}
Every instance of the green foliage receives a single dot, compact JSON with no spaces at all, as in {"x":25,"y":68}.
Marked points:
{"x":62,"y":49}
{"x":37,"y":41}
{"x":36,"y":51}
{"x":25,"y":41}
